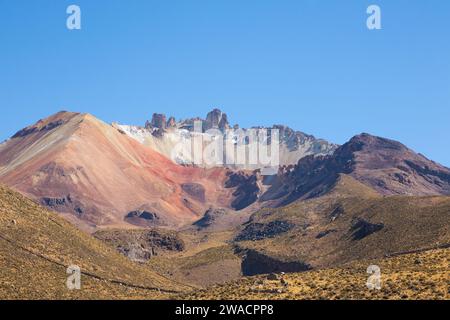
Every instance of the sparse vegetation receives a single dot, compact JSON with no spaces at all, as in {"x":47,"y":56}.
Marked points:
{"x":401,"y":278}
{"x":37,"y":246}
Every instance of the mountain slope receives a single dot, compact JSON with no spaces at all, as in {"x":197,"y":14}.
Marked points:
{"x":384,"y":165}
{"x":74,"y":163}
{"x":422,"y":275}
{"x":340,"y":227}
{"x":36,"y":247}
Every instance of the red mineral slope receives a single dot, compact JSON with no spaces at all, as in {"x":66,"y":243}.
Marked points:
{"x":77,"y":164}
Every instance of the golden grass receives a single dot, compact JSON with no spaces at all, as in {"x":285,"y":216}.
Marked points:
{"x":423,"y":275}
{"x":36,"y":247}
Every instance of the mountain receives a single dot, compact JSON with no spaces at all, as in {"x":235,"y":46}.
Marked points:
{"x":37,"y":246}
{"x":384,"y":165}
{"x":350,"y":222}
{"x":74,"y":163}
{"x":370,"y":198}
{"x":100,"y":175}
{"x":174,"y":139}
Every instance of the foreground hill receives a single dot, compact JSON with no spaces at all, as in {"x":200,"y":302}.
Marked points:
{"x":422,"y":275}
{"x":37,"y":246}
{"x":351,"y":222}
{"x":75,"y":163}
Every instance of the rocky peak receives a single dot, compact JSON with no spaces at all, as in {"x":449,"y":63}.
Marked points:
{"x":216,"y":119}
{"x":384,"y":165}
{"x":294,"y":144}
{"x":158,"y":121}
{"x":171,"y":123}
{"x":368,"y":141}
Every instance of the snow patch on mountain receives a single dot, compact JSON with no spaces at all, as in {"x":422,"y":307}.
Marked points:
{"x":175,"y":139}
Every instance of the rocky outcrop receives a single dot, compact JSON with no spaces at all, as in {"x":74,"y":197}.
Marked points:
{"x":45,"y":127}
{"x":171,"y":123}
{"x":143,"y":218}
{"x":362,"y":228}
{"x":324,"y":233}
{"x":294,"y":140}
{"x":260,"y":231}
{"x":63,"y":204}
{"x":216,"y":119}
{"x":141,"y":245}
{"x":210,"y":216}
{"x":294,"y":145}
{"x":195,"y":190}
{"x":255,"y":262}
{"x":246,"y":188}
{"x":159,"y":121}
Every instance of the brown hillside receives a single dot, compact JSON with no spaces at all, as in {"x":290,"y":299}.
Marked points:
{"x":423,"y":275}
{"x":36,"y":247}
{"x":339,"y":228}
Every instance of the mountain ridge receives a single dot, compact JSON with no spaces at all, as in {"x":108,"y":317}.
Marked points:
{"x":77,"y":164}
{"x":385,"y":165}
{"x":166,"y":135}
{"x":85,"y":161}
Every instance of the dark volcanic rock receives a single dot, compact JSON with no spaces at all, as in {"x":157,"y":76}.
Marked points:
{"x":24,"y":132}
{"x":158,"y":121}
{"x":337,"y":212}
{"x":255,"y":263}
{"x":144,"y":218}
{"x":195,"y":190}
{"x":259,"y":231}
{"x":322,"y":234}
{"x":52,"y":125}
{"x":210,"y":216}
{"x":64,"y":204}
{"x":141,"y":245}
{"x":216,"y":119}
{"x":247,"y":189}
{"x":362,"y":228}
{"x":30,"y":130}
{"x":157,"y":125}
{"x":171,"y":123}
{"x":142,"y":214}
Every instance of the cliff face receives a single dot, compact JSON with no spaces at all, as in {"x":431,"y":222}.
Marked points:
{"x":174,"y":139}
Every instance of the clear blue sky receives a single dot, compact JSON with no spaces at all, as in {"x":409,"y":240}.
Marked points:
{"x":312,"y":65}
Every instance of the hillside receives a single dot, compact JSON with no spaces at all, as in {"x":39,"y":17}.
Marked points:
{"x":37,"y":246}
{"x":421,"y":275}
{"x":198,"y":258}
{"x":340,"y":227}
